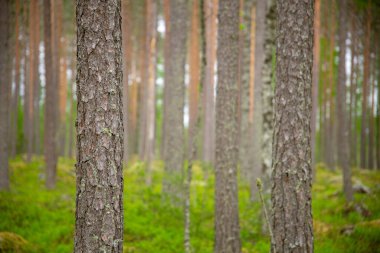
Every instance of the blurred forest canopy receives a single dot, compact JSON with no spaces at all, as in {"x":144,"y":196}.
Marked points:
{"x":179,"y":126}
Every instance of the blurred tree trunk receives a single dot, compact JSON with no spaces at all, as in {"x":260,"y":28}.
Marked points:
{"x":211,"y":10}
{"x":257,"y":126}
{"x":72,"y":106}
{"x":372,"y":115}
{"x":5,"y":88}
{"x":174,"y":136}
{"x":353,"y":87}
{"x":367,"y":43}
{"x":194,"y":71}
{"x":378,"y":102}
{"x":150,"y":95}
{"x":330,"y":150}
{"x":50,"y":140}
{"x":246,"y":141}
{"x":99,"y":225}
{"x":16,"y":93}
{"x":343,"y":128}
{"x":36,"y":81}
{"x":166,"y":98}
{"x":227,"y":238}
{"x":316,"y":64}
{"x":292,"y":172}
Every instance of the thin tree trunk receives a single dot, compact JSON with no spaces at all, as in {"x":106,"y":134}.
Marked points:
{"x":51,"y":97}
{"x":174,"y":136}
{"x":316,"y":63}
{"x":150,"y":113}
{"x":371,"y":140}
{"x":5,"y":88}
{"x":99,"y":225}
{"x":227,"y":238}
{"x":343,"y":128}
{"x":72,"y":107}
{"x":292,"y":222}
{"x":211,"y":10}
{"x":16,"y":93}
{"x":367,"y":40}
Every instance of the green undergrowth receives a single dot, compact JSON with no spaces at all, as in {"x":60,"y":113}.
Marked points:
{"x":34,"y":219}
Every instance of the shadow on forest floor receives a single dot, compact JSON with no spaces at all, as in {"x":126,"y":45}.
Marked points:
{"x":33,"y":219}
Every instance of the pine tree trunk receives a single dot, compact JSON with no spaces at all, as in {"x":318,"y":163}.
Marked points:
{"x":5,"y":88}
{"x":51,"y":97}
{"x":257,"y":126}
{"x":343,"y":128}
{"x":292,"y":222}
{"x":227,"y":238}
{"x":246,"y":141}
{"x":210,"y":10}
{"x":371,"y":135}
{"x":367,"y":42}
{"x":150,"y":113}
{"x":99,"y":225}
{"x":16,"y":93}
{"x":317,"y":25}
{"x":174,"y":136}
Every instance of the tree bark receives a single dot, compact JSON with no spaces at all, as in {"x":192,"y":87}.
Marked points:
{"x":99,"y":197}
{"x":227,"y":238}
{"x":367,"y":42}
{"x":5,"y":87}
{"x":51,"y":97}
{"x":292,"y":222}
{"x":174,"y":136}
{"x":210,"y":10}
{"x":343,"y":129}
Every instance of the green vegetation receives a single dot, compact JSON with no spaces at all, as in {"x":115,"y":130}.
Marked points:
{"x":34,"y":219}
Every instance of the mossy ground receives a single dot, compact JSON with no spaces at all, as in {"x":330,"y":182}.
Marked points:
{"x":45,"y":218}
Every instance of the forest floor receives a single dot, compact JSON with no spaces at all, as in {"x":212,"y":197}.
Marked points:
{"x":33,"y":219}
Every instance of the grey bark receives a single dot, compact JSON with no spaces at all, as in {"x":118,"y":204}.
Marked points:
{"x":227,"y":238}
{"x":51,"y":99}
{"x":99,"y":197}
{"x":5,"y":87}
{"x":246,"y":141}
{"x":174,"y":129}
{"x":292,"y":222}
{"x":257,"y":126}
{"x":342,"y":134}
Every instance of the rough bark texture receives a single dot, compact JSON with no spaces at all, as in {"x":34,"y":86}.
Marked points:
{"x":99,"y":197}
{"x":292,"y":222}
{"x":50,"y":102}
{"x":257,"y":125}
{"x":227,"y":238}
{"x":174,"y":135}
{"x":246,"y":141}
{"x":210,"y":10}
{"x":343,"y":128}
{"x":5,"y":87}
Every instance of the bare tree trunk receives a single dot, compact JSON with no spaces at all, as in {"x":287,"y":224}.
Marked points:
{"x":316,"y":63}
{"x":246,"y":141}
{"x":194,"y":71}
{"x":99,"y":225}
{"x":367,"y":42}
{"x":150,"y":113}
{"x":227,"y":238}
{"x":5,"y":87}
{"x":371,"y":140}
{"x":51,"y":97}
{"x":257,"y":126}
{"x":174,"y":136}
{"x":72,"y":107}
{"x":211,"y":10}
{"x":292,"y":222}
{"x":16,"y":93}
{"x":343,"y":128}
